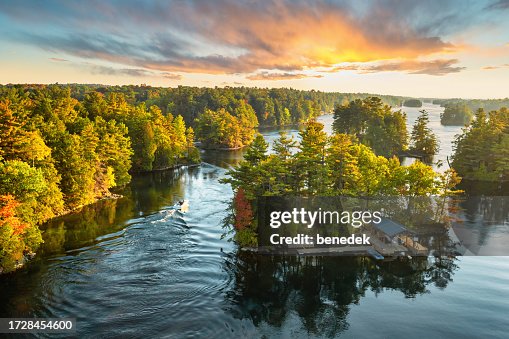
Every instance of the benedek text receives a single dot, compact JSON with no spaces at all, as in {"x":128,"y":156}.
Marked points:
{"x":304,"y":239}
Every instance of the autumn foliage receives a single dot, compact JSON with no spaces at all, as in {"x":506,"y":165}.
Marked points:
{"x":16,"y":236}
{"x":243,"y":210}
{"x":8,"y":207}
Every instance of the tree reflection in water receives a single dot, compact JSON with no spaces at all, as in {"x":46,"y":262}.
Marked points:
{"x":147,"y":193}
{"x":320,"y":290}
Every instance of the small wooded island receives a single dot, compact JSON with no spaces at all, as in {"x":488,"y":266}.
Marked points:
{"x":412,"y":103}
{"x":457,"y":114}
{"x":359,"y":159}
{"x":352,"y":163}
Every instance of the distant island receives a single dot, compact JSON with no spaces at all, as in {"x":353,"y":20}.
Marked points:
{"x":457,"y":114}
{"x":474,"y":104}
{"x":412,"y":103}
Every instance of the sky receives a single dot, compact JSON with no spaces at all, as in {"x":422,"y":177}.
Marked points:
{"x":430,"y":48}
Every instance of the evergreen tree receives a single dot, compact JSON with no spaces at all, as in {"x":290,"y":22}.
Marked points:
{"x":283,"y":146}
{"x":311,"y":159}
{"x":374,"y":124}
{"x":480,"y":151}
{"x":424,"y":140}
{"x":257,"y":151}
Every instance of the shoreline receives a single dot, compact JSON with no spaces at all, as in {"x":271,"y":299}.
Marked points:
{"x":168,"y":168}
{"x":223,"y":148}
{"x":27,"y":257}
{"x":115,"y":196}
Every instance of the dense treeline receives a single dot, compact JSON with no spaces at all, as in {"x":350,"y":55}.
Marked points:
{"x":220,"y":129}
{"x":474,"y":104}
{"x":456,"y":114}
{"x":273,"y":107}
{"x":374,"y":124}
{"x":482,"y":150}
{"x":58,"y":153}
{"x":412,"y":103}
{"x":384,"y":129}
{"x":228,"y":111}
{"x":322,"y":165}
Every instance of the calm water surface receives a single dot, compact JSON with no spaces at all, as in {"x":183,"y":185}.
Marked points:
{"x":127,"y":268}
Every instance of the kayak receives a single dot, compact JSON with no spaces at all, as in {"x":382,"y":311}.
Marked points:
{"x":182,"y":206}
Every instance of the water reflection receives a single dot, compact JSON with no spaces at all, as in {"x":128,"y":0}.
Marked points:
{"x":269,"y":290}
{"x":223,"y":159}
{"x":148,"y":193}
{"x":482,"y":225}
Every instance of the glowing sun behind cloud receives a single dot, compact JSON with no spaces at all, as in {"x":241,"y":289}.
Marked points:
{"x":303,"y":44}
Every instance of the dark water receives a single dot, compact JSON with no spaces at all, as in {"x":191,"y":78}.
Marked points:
{"x":126,"y":268}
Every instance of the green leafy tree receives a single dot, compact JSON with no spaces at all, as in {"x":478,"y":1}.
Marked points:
{"x":114,"y":150}
{"x":141,"y":131}
{"x":28,"y":186}
{"x":76,"y":163}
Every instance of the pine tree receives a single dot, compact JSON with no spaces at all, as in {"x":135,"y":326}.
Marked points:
{"x":257,"y":151}
{"x":283,"y":146}
{"x":339,"y":160}
{"x":311,"y":159}
{"x":424,"y":140}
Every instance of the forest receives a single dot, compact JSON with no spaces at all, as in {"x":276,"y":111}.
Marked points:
{"x":58,"y":153}
{"x":482,"y":150}
{"x":374,"y":124}
{"x":65,"y":146}
{"x":360,"y":159}
{"x":273,"y":107}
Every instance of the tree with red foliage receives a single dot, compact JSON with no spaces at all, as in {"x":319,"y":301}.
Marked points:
{"x":243,"y":210}
{"x":16,"y":237}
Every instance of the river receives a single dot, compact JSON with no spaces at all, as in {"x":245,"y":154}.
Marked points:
{"x":127,"y":268}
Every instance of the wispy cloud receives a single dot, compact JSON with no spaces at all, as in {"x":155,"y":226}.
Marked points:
{"x":497,"y":5}
{"x":280,"y":76}
{"x":58,"y":59}
{"x":171,"y":76}
{"x":490,"y":68}
{"x":129,"y":72}
{"x":107,"y":70}
{"x":437,"y":67}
